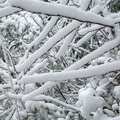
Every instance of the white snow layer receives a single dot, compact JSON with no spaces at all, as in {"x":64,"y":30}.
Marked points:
{"x":89,"y":29}
{"x":8,"y":10}
{"x":65,"y":75}
{"x":48,"y":45}
{"x":39,"y":91}
{"x":77,"y":65}
{"x":52,"y":41}
{"x":88,"y":102}
{"x":66,"y":43}
{"x":69,"y":38}
{"x":106,"y":47}
{"x":117,"y":92}
{"x":84,"y":39}
{"x":48,"y":98}
{"x":61,"y":10}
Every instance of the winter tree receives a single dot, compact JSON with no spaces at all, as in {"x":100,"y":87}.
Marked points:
{"x":59,"y":60}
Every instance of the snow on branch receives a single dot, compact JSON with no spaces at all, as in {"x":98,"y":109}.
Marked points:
{"x":66,"y":43}
{"x":84,"y":39}
{"x":44,"y":32}
{"x":52,"y":41}
{"x":61,"y":10}
{"x":48,"y":45}
{"x":40,"y":90}
{"x":8,"y":11}
{"x":90,"y":29}
{"x":78,"y":64}
{"x":48,"y":98}
{"x":82,"y":73}
{"x":115,"y":15}
{"x":96,"y":53}
{"x":47,"y":28}
{"x":69,"y":38}
{"x":36,"y":67}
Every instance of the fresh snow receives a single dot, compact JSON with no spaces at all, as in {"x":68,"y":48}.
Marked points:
{"x":84,"y":39}
{"x":88,"y":102}
{"x":106,"y":47}
{"x":66,"y":43}
{"x":61,"y":10}
{"x":8,"y":11}
{"x":60,"y":76}
{"x":98,"y":96}
{"x":56,"y":38}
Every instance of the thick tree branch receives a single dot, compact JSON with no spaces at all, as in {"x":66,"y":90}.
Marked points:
{"x":57,"y":10}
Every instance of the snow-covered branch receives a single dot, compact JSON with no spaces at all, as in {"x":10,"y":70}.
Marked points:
{"x":61,"y":76}
{"x":96,"y":53}
{"x":6,"y":11}
{"x":57,"y":54}
{"x":61,"y":10}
